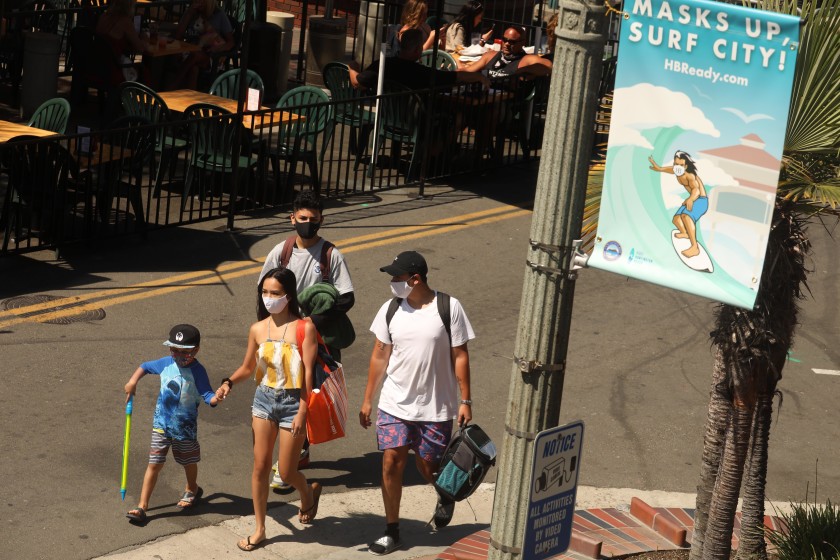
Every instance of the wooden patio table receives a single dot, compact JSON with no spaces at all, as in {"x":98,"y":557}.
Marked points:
{"x":9,"y":130}
{"x":169,"y":47}
{"x":180,"y":99}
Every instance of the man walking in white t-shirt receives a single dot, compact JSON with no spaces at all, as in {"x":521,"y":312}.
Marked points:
{"x":424,"y":365}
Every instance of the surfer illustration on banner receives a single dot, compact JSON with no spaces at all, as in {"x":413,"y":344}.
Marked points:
{"x":684,"y":238}
{"x":697,"y":131}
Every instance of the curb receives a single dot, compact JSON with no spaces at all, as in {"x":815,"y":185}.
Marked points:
{"x":658,"y":522}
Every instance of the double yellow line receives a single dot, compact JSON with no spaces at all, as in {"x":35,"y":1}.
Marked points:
{"x":74,"y":305}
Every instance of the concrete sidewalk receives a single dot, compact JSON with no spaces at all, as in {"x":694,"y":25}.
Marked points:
{"x":348,"y":521}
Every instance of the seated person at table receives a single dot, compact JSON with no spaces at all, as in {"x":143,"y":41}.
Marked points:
{"x":116,"y":27}
{"x":204,"y":24}
{"x":459,"y":32}
{"x":404,"y":69}
{"x":413,"y":16}
{"x":511,"y":60}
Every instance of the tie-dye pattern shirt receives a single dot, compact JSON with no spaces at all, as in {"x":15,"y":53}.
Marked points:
{"x":279,"y":365}
{"x":181,"y":391}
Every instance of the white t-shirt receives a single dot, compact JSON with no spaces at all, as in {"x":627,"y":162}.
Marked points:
{"x":420,"y":381}
{"x":306,"y":264}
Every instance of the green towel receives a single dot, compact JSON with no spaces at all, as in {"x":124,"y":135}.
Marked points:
{"x":319,"y":299}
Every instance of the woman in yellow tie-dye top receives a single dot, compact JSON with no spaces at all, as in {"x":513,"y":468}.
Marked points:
{"x":284,"y":374}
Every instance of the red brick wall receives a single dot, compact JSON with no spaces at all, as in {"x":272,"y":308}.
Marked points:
{"x":348,"y":8}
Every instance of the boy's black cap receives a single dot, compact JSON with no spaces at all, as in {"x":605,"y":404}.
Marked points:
{"x":408,"y":262}
{"x":183,"y":336}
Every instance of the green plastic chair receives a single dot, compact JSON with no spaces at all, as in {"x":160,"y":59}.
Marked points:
{"x":528,"y":100}
{"x":349,"y":109}
{"x":44,"y":183}
{"x":227,"y":83}
{"x":400,"y":120}
{"x":53,"y":115}
{"x":213,"y":148}
{"x":139,"y":100}
{"x":444,"y":60}
{"x":299,"y":139}
{"x":123,"y":178}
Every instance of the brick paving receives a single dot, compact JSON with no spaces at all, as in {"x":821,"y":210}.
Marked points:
{"x":609,"y":532}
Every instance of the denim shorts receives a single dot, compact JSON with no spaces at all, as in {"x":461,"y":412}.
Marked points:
{"x":277,"y":405}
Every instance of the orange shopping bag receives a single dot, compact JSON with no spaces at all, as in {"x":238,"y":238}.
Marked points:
{"x":327,"y":416}
{"x":327,"y":402}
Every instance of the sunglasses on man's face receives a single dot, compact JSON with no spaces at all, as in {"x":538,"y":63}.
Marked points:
{"x":510,"y":41}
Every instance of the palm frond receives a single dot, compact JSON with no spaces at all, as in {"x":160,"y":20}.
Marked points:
{"x":814,"y":120}
{"x":811,"y":178}
{"x":595,"y":180}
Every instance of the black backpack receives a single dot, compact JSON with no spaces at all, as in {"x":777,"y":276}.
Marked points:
{"x":442,"y":308}
{"x":465,"y":463}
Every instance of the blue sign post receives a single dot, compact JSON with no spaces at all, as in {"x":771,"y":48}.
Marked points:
{"x":554,"y":478}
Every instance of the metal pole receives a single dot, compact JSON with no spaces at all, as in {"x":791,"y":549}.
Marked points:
{"x":536,"y":386}
{"x":430,"y":105}
{"x":240,"y":107}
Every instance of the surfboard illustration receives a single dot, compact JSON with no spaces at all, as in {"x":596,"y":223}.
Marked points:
{"x":700,"y":263}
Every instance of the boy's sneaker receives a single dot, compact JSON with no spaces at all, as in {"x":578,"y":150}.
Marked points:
{"x":443,"y":513}
{"x":303,"y":462}
{"x":277,"y":483}
{"x":385,"y":545}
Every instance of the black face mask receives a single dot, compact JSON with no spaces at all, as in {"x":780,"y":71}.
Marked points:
{"x":307,"y":230}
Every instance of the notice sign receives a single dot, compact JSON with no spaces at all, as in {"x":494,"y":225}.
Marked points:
{"x":554,"y":478}
{"x":699,"y":114}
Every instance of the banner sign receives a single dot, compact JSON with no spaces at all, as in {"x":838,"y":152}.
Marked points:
{"x":698,"y":125}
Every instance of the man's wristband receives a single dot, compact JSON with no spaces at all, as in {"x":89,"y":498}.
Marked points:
{"x":228,"y":381}
{"x":467,"y":402}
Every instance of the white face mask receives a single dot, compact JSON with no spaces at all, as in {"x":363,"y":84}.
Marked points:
{"x":401,"y":289}
{"x":275,"y":305}
{"x":679,"y":170}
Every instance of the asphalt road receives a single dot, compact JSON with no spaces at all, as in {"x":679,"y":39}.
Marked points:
{"x":638,"y":373}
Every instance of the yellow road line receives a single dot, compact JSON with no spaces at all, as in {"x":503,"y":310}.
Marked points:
{"x":236,"y":270}
{"x":189,"y":276}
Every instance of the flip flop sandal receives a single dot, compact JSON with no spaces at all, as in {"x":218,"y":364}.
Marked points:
{"x":313,"y":510}
{"x":190,"y":498}
{"x":249,"y":546}
{"x":139,"y":518}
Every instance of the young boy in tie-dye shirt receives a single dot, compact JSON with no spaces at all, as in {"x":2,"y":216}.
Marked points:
{"x":183,"y":385}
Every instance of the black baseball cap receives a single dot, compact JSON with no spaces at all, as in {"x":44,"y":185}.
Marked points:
{"x":183,"y":336}
{"x":408,"y":262}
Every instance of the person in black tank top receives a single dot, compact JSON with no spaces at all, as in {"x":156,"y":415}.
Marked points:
{"x":512,"y":60}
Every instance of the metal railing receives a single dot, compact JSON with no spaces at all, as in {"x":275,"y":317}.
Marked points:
{"x":140,"y":176}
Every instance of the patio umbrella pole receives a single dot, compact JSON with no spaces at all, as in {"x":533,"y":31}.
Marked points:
{"x":380,"y":80}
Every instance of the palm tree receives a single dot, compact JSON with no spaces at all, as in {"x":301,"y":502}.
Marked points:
{"x":751,"y":347}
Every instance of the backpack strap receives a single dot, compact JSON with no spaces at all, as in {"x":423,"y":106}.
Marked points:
{"x":286,"y":253}
{"x":392,"y":310}
{"x":326,"y":261}
{"x":300,"y":334}
{"x":443,"y":308}
{"x":444,"y":311}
